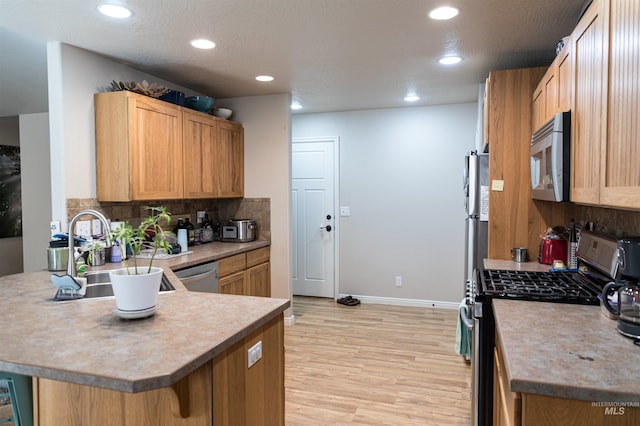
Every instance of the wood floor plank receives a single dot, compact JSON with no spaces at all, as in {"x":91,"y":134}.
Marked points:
{"x":373,"y":364}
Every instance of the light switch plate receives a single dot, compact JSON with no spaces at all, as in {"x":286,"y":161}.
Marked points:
{"x":55,"y":228}
{"x":497,"y":185}
{"x":345,"y":211}
{"x":96,"y":227}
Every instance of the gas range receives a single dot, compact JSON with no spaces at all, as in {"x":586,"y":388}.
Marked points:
{"x":560,"y":287}
{"x":598,"y":255}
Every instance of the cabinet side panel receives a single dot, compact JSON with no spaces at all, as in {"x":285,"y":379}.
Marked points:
{"x":510,"y":134}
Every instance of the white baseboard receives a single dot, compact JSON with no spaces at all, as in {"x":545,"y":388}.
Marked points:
{"x":406,"y":302}
{"x":290,"y":320}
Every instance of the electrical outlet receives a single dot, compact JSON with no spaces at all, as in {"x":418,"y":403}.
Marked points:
{"x":96,"y":227}
{"x":398,"y":281}
{"x":254,"y":354}
{"x":55,"y":228}
{"x":83,"y":228}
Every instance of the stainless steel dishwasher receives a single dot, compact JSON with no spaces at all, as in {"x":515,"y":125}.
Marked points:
{"x":203,"y":277}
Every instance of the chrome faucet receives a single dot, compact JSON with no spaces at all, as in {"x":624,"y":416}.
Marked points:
{"x":71,"y":265}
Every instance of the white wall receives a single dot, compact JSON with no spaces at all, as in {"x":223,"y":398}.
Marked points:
{"x":10,"y":248}
{"x":401,"y":174}
{"x":267,"y":165}
{"x":36,"y":194}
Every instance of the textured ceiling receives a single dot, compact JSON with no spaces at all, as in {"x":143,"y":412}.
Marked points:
{"x":331,"y":55}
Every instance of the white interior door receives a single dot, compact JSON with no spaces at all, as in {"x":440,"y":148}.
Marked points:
{"x":313,"y":217}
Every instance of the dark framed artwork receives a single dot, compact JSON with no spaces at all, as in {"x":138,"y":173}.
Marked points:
{"x":10,"y":195}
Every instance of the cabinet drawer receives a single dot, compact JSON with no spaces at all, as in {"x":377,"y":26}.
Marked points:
{"x":256,"y":257}
{"x":232,"y":264}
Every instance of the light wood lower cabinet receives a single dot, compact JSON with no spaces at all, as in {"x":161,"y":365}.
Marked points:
{"x":232,"y":284}
{"x":251,"y":396}
{"x":187,"y":403}
{"x":224,"y":391}
{"x":507,"y":405}
{"x":246,"y":274}
{"x":525,"y":409}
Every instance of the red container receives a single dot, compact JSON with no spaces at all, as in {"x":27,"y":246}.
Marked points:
{"x":551,"y":250}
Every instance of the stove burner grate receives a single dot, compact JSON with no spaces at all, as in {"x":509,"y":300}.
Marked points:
{"x":538,"y":286}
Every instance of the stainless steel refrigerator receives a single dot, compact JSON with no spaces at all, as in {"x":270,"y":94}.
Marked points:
{"x":476,"y":200}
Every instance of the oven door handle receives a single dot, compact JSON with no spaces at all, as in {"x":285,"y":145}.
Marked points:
{"x":468,"y":322}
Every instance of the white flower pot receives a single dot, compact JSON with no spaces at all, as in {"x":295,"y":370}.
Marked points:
{"x":136,"y":292}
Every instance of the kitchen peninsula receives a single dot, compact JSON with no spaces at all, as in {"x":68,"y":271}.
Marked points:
{"x":185,"y":365}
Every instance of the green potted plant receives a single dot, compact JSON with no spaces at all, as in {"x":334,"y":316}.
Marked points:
{"x":136,"y":287}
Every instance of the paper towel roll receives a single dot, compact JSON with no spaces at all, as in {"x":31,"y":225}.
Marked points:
{"x":182,"y":240}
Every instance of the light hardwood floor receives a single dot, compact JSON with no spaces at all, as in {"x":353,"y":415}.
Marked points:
{"x":373,"y":365}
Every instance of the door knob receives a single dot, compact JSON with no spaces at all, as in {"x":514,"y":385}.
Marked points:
{"x":328,"y":228}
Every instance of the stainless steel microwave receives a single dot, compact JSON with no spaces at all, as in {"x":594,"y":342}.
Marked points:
{"x":550,"y":159}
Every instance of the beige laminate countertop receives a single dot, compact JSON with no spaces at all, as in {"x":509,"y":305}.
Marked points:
{"x":82,"y":342}
{"x":564,"y":350}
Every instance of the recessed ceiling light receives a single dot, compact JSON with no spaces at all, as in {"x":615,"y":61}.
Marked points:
{"x":296,"y":105}
{"x":202,"y":43}
{"x":114,"y":11}
{"x":264,"y":78}
{"x":450,"y":60}
{"x":411,"y":98}
{"x":443,"y":13}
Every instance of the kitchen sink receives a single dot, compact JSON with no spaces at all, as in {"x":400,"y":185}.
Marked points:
{"x":99,"y":285}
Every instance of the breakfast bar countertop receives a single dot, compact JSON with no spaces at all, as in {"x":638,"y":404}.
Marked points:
{"x":83,"y":342}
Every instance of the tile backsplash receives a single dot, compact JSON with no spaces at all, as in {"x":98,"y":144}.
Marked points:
{"x":218,"y":209}
{"x":613,"y":222}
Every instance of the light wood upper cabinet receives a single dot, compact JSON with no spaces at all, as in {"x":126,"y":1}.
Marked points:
{"x":620,"y":150}
{"x":588,"y":94}
{"x":553,"y":93}
{"x":147,"y":149}
{"x":230,"y":153}
{"x":605,"y":157}
{"x":200,"y":135}
{"x":138,"y":148}
{"x":564,"y":78}
{"x":538,"y":106}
